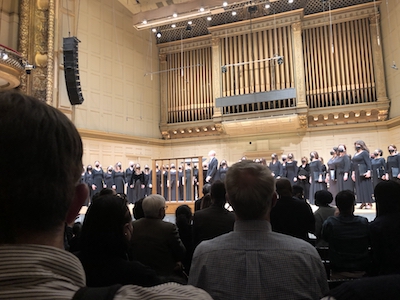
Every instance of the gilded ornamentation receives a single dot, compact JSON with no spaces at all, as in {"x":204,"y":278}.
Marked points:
{"x":50,"y":54}
{"x":296,"y":26}
{"x":303,"y":120}
{"x":23,"y":40}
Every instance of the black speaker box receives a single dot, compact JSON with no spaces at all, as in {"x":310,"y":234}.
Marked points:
{"x":71,"y":70}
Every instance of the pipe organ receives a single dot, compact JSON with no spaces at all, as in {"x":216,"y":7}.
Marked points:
{"x":336,"y":70}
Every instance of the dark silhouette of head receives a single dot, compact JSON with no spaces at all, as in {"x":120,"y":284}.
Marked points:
{"x":345,"y":201}
{"x":218,"y":193}
{"x":387,"y":197}
{"x":323,"y":198}
{"x":283,"y":187}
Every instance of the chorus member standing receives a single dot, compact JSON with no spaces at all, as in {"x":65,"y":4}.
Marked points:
{"x":212,"y":167}
{"x":223,"y":168}
{"x":303,"y":176}
{"x":146,"y":190}
{"x":331,"y":176}
{"x":88,"y":179}
{"x":284,"y":170}
{"x":378,"y":167}
{"x":180,"y":183}
{"x":109,"y":178}
{"x":188,"y":182}
{"x":316,"y":176}
{"x":128,"y":173}
{"x":137,"y":183}
{"x":165,"y":182}
{"x":275,"y":166}
{"x":119,"y":179}
{"x":291,"y":169}
{"x":173,"y":182}
{"x":343,"y":170}
{"x":361,"y":174}
{"x":97,"y":178}
{"x":158,"y":180}
{"x":393,"y":164}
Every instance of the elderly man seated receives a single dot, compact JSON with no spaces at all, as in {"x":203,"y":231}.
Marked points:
{"x":156,"y":243}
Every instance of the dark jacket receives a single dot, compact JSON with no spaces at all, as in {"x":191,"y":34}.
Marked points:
{"x":156,"y":243}
{"x":211,"y":222}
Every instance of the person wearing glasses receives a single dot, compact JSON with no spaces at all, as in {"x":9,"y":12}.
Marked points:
{"x":156,"y":243}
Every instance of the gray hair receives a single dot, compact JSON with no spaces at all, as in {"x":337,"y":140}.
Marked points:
{"x":152,"y":205}
{"x":250,"y":188}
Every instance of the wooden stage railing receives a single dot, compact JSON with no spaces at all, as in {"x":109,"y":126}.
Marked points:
{"x":179,"y":180}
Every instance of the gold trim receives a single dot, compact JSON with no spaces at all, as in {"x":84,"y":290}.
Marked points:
{"x":50,"y":54}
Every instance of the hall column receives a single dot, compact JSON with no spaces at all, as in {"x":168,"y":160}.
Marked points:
{"x":298,"y":60}
{"x":380,"y":85}
{"x":216,"y":74}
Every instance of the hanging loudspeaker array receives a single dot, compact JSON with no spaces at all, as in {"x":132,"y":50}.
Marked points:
{"x":71,"y":70}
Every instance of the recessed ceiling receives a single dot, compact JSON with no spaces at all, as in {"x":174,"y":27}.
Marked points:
{"x":158,"y":13}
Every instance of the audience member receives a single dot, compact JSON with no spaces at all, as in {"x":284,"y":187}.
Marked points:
{"x":289,"y":215}
{"x":33,"y":263}
{"x":298,"y":192}
{"x":156,"y":243}
{"x":348,"y":238}
{"x":74,"y":242}
{"x":252,"y":262}
{"x":368,"y":288}
{"x":215,"y":220}
{"x":183,"y":220}
{"x":322,"y":200}
{"x":138,"y":209}
{"x":106,"y":232}
{"x":385,"y":229}
{"x":206,"y":190}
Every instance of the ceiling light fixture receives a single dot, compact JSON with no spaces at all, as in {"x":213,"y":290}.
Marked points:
{"x":158,"y":35}
{"x":290,"y":1}
{"x":201,"y":9}
{"x":175,"y":15}
{"x":144,"y":22}
{"x":234,"y":13}
{"x":173,"y":25}
{"x":4,"y":56}
{"x":190,"y":22}
{"x":209,"y":18}
{"x":267,"y":5}
{"x":154,"y":30}
{"x":225,"y":4}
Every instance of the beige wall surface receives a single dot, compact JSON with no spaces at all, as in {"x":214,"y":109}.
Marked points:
{"x":113,"y":61}
{"x":390,"y":28}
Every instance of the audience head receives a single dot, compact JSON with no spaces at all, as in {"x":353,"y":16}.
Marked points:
{"x":323,"y":198}
{"x":206,"y":189}
{"x":53,"y":142}
{"x":345,"y":201}
{"x":298,"y":191}
{"x":387,"y":197}
{"x":218,"y":193}
{"x":76,"y":229}
{"x":250,"y":190}
{"x":283,"y":187}
{"x":154,"y":207}
{"x":183,"y":215}
{"x":138,"y":209}
{"x":205,"y":201}
{"x":107,"y":227}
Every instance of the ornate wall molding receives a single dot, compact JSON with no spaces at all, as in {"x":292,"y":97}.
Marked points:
{"x":36,"y":44}
{"x":259,"y":24}
{"x":177,"y":46}
{"x":355,"y":12}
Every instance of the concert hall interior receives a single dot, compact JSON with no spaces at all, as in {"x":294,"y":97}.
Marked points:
{"x":172,"y":79}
